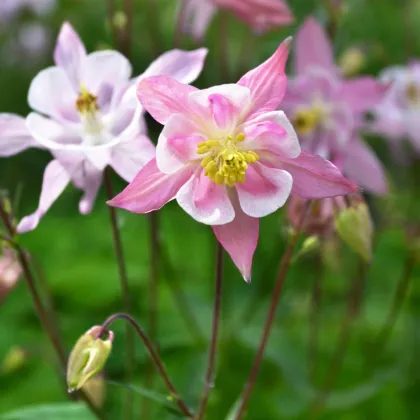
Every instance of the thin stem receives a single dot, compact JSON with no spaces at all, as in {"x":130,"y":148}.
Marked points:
{"x":399,"y":298}
{"x":126,"y":37}
{"x":153,"y":354}
{"x":215,"y":332}
{"x":153,"y":299}
{"x":153,"y":25}
{"x":42,"y":314}
{"x":314,"y":318}
{"x":125,"y":290}
{"x":353,"y":307}
{"x":111,"y":15}
{"x":180,"y":19}
{"x":284,"y":267}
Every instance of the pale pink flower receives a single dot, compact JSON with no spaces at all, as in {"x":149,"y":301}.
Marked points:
{"x":88,"y":116}
{"x":10,"y":272}
{"x":328,"y":110}
{"x":228,"y":156}
{"x":397,"y":116}
{"x":260,"y":15}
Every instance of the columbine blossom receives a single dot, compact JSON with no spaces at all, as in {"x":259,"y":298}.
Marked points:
{"x":228,"y":156}
{"x":328,"y":111}
{"x":397,"y":116}
{"x":260,"y":15}
{"x":87,"y":114}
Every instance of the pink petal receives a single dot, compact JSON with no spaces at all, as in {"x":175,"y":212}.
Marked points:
{"x":362,"y":165}
{"x":104,"y":68}
{"x":55,"y":181}
{"x":69,"y":53}
{"x":205,"y":201}
{"x":362,"y":94}
{"x":271,"y":132}
{"x":177,"y":144}
{"x":315,"y":177}
{"x":184,"y":66}
{"x":162,"y":96}
{"x":267,"y":82}
{"x":130,"y":156}
{"x":239,"y":238}
{"x":92,"y":180}
{"x":43,"y":96}
{"x":224,"y":105}
{"x":14,"y":136}
{"x":264,"y":191}
{"x":313,"y":48}
{"x":196,"y":17}
{"x":151,"y":189}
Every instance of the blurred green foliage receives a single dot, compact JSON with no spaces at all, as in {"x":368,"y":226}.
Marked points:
{"x":74,"y":255}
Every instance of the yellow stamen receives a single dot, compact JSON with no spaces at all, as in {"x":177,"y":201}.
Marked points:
{"x":86,"y":103}
{"x":306,"y":120}
{"x":226,"y":163}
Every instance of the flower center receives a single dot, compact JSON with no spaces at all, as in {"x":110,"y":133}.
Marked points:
{"x":306,"y":120}
{"x":86,"y":103}
{"x":412,"y":93}
{"x":226,"y":163}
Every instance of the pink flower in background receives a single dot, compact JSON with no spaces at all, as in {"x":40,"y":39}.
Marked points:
{"x":327,"y":110}
{"x":228,"y":156}
{"x":260,"y":15}
{"x":10,"y":8}
{"x":10,"y":272}
{"x":88,"y":116}
{"x":397,"y":116}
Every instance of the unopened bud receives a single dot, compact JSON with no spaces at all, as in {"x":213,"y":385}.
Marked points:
{"x":352,"y":61}
{"x":10,"y":271}
{"x":88,"y":357}
{"x":95,"y":388}
{"x":354,"y":226}
{"x":311,"y":243}
{"x":14,"y":360}
{"x":119,"y":20}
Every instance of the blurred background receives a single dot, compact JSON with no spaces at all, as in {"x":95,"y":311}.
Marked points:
{"x":329,"y":293}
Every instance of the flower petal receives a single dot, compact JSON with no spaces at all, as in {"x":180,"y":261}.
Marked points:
{"x":267,"y":82}
{"x":205,"y":201}
{"x":130,"y":156}
{"x":151,"y":189}
{"x":264,"y":191}
{"x":362,"y":165}
{"x":362,"y":94}
{"x":162,"y":96}
{"x":177,"y":143}
{"x":196,"y":17}
{"x":104,"y":68}
{"x":239,"y":238}
{"x":14,"y":136}
{"x":313,"y":48}
{"x":55,"y":181}
{"x":43,"y":95}
{"x":184,"y":66}
{"x":92,"y":180}
{"x":69,"y":53}
{"x":271,"y":132}
{"x":315,"y":177}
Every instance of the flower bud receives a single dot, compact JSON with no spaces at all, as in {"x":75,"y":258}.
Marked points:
{"x":10,"y":271}
{"x":354,"y":226}
{"x":88,"y":358}
{"x":14,"y":360}
{"x":95,"y":388}
{"x":352,"y":61}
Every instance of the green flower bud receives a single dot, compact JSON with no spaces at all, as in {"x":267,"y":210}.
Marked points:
{"x":87,"y":358}
{"x":355,"y":228}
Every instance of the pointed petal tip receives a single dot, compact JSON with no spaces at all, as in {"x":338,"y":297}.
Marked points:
{"x":247,"y":278}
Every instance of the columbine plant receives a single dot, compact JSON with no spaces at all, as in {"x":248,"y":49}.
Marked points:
{"x":260,"y":15}
{"x":397,"y":116}
{"x":327,"y":110}
{"x":228,"y":156}
{"x":87,"y":115}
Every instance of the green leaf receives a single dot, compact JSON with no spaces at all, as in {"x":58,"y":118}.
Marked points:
{"x":61,"y":411}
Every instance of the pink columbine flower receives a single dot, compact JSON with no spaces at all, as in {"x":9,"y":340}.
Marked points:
{"x":328,"y":111}
{"x":228,"y":156}
{"x":87,"y":114}
{"x":10,"y":271}
{"x":397,"y":116}
{"x":260,"y":15}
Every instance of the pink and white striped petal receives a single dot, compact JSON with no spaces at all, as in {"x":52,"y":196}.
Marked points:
{"x":239,"y":238}
{"x":264,"y":191}
{"x":205,"y":201}
{"x":315,"y":177}
{"x":272,"y":133}
{"x":151,"y":189}
{"x":162,"y":96}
